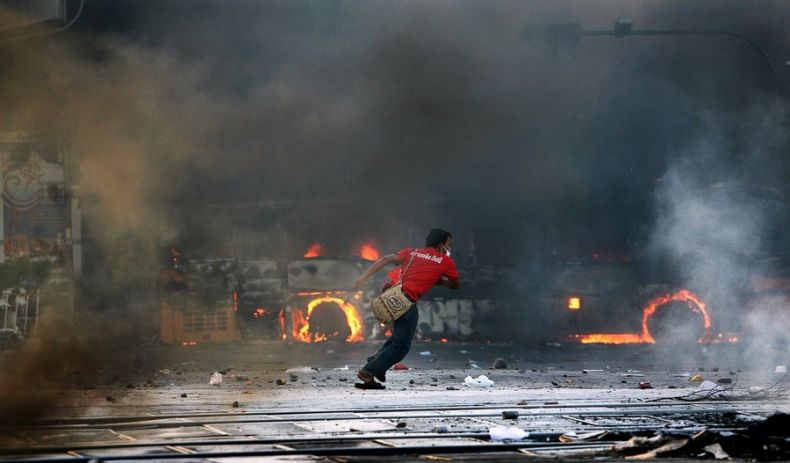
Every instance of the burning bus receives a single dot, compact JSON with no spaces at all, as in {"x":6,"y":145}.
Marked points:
{"x":304,"y":299}
{"x":309,"y":299}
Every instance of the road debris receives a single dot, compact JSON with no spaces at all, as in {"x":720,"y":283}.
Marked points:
{"x":510,"y":414}
{"x":480,"y":381}
{"x":498,"y":364}
{"x":302,"y":370}
{"x":501,"y":433}
{"x":717,"y":452}
{"x":216,"y":379}
{"x":711,"y":390}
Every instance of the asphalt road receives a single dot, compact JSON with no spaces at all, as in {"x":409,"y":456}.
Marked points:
{"x":157,"y":400}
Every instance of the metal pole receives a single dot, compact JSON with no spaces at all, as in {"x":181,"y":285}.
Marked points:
{"x":2,"y":207}
{"x":38,"y":300}
{"x":697,"y":33}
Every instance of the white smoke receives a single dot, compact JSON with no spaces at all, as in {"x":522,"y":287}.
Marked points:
{"x":713,"y":226}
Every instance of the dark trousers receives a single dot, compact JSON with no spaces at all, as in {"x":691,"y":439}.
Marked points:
{"x":397,"y":346}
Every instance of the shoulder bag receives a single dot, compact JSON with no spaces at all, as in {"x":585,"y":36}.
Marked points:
{"x":392,"y":303}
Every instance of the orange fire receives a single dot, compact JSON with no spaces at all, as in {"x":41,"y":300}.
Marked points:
{"x":723,"y":338}
{"x":368,"y":252}
{"x":281,"y":320}
{"x":694,"y":303}
{"x":610,"y":338}
{"x":316,"y":250}
{"x":301,"y":321}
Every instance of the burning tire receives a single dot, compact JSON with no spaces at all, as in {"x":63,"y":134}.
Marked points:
{"x":683,"y":319}
{"x":676,"y":325}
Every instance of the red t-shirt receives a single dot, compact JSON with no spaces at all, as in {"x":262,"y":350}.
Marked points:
{"x":425,"y":270}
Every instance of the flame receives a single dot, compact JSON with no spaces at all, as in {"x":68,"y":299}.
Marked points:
{"x":281,"y":319}
{"x":316,"y":250}
{"x":723,"y":338}
{"x":694,"y":303}
{"x":610,"y":338}
{"x":301,"y":320}
{"x":368,"y":252}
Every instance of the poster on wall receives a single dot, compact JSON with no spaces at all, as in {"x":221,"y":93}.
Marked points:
{"x":34,"y":208}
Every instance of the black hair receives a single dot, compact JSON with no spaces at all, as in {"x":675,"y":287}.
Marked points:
{"x":436,"y":237}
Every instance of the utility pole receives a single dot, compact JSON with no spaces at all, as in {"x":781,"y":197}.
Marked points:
{"x":570,"y":34}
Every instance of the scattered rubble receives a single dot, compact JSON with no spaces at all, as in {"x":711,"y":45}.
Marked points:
{"x":481,"y":381}
{"x":498,"y":364}
{"x":302,"y":370}
{"x":501,"y":433}
{"x":764,"y":441}
{"x":442,"y":429}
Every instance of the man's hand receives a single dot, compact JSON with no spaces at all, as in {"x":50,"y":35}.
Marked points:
{"x":448,"y":283}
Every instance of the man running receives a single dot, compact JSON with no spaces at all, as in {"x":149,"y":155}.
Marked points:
{"x":421,"y":269}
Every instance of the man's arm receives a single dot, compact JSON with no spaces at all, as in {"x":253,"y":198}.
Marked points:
{"x":388,"y":259}
{"x":448,"y":283}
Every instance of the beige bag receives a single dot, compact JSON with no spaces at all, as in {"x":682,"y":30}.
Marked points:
{"x":392,"y":303}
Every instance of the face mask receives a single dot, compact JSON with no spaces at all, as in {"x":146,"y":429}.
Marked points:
{"x":447,"y":252}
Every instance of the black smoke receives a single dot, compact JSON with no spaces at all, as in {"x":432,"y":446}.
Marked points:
{"x":255,"y":126}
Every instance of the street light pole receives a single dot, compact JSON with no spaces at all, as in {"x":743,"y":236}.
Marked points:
{"x":624,"y":27}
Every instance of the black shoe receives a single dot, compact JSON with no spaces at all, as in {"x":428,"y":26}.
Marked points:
{"x":370,"y":385}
